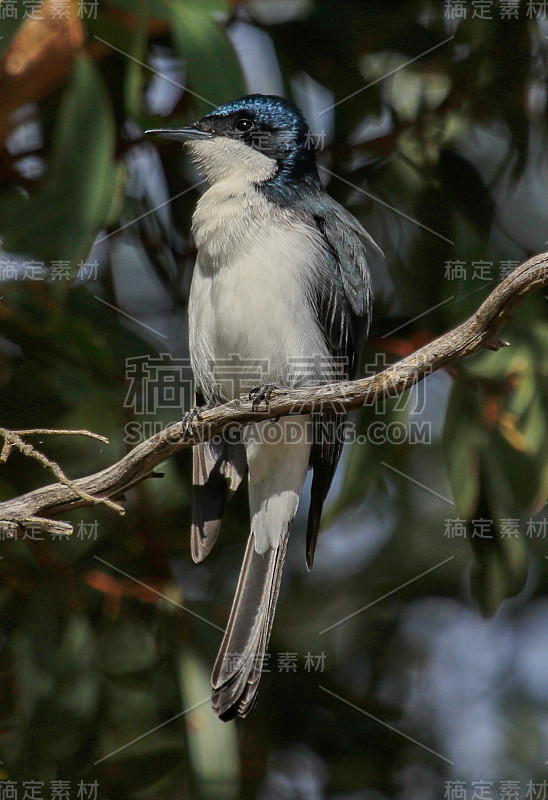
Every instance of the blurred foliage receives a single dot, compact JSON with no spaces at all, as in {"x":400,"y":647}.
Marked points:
{"x":437,"y":143}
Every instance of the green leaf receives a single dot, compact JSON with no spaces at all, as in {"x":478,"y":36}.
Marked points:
{"x":117,"y":197}
{"x":497,"y":366}
{"x":539,"y":331}
{"x":61,"y":219}
{"x":460,"y":446}
{"x":499,"y":571}
{"x":534,"y":425}
{"x":523,"y":395}
{"x":491,"y":480}
{"x":212,"y":745}
{"x":501,"y":560}
{"x":134,"y":80}
{"x":214,"y":74}
{"x":512,"y":474}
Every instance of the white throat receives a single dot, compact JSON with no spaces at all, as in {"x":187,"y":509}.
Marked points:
{"x":221,"y":158}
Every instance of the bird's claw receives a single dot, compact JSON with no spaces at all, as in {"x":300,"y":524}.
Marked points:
{"x":188,"y":418}
{"x":261,"y":394}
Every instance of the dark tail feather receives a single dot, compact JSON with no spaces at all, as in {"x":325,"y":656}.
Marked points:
{"x":326,"y":452}
{"x":237,"y":671}
{"x":217,"y":472}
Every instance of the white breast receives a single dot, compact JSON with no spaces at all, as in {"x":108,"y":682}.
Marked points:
{"x":250,"y":317}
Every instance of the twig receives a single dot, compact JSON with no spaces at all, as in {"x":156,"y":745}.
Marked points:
{"x":14,"y":439}
{"x":57,"y":432}
{"x":478,"y":332}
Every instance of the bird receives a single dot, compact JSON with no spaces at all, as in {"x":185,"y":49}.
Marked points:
{"x":280,"y":297}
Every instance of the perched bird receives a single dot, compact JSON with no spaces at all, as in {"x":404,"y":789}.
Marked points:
{"x":280,"y":296}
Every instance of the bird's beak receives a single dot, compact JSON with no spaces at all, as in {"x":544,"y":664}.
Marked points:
{"x":180,"y":134}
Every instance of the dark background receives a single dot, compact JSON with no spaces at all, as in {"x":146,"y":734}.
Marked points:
{"x":430,"y":119}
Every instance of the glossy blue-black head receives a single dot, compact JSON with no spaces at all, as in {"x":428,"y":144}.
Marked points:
{"x":264,"y":136}
{"x":269,"y":124}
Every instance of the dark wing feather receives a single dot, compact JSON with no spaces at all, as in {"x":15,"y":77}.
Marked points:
{"x":348,"y":309}
{"x":343,"y":308}
{"x":326,"y":452}
{"x":217,"y":470}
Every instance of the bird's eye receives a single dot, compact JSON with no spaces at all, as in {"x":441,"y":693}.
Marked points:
{"x":244,"y":124}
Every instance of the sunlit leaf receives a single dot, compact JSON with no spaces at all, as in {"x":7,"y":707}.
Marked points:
{"x":213,"y":746}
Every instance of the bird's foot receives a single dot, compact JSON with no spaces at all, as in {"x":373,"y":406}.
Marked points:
{"x":260,"y":394}
{"x":188,"y":419}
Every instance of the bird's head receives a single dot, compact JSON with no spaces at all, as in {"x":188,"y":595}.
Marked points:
{"x":262,"y":139}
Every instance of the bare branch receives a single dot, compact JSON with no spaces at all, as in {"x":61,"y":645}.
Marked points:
{"x":14,"y":439}
{"x":477,"y":333}
{"x":60,"y":432}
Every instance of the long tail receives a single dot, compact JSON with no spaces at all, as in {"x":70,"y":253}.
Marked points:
{"x":237,"y":671}
{"x":276,"y":476}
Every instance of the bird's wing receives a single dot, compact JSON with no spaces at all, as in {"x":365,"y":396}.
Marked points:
{"x":344,"y":303}
{"x":217,"y":470}
{"x":343,"y":307}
